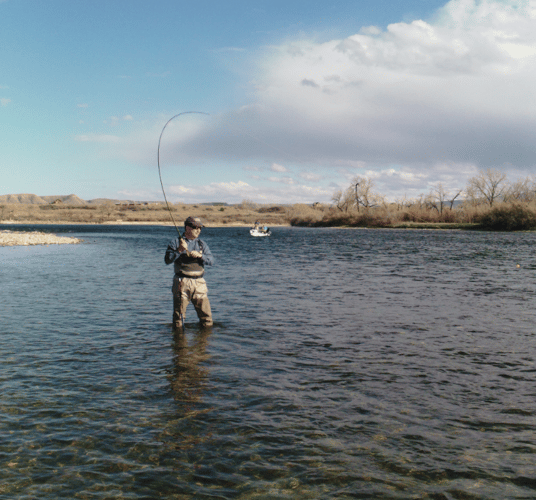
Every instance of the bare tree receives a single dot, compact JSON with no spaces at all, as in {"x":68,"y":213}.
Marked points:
{"x":488,"y":185}
{"x":336,"y":199}
{"x":343,"y":199}
{"x":439,"y":197}
{"x":523,"y":191}
{"x":405,"y":202}
{"x":453,"y":199}
{"x":363,"y":193}
{"x":436,"y":198}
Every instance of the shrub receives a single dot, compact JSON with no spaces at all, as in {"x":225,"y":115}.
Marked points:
{"x":272,"y":210}
{"x":512,"y":218}
{"x":354,"y":219}
{"x":303,"y":215}
{"x":371,"y":220}
{"x":248,"y":205}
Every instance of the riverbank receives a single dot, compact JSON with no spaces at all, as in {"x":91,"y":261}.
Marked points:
{"x":123,"y":223}
{"x":23,"y":238}
{"x":408,"y":225}
{"x":434,"y":225}
{"x":150,"y":214}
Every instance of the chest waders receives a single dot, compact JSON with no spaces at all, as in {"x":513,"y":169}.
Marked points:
{"x":187,"y":266}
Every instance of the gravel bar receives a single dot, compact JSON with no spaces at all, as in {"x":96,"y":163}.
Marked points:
{"x":22,"y":238}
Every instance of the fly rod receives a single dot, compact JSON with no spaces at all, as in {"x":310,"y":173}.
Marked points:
{"x":158,"y":161}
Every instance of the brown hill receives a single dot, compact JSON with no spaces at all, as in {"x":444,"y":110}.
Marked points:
{"x":28,"y":199}
{"x":70,"y":199}
{"x":100,"y":201}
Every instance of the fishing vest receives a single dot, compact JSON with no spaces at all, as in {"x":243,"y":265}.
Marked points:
{"x":189,"y":267}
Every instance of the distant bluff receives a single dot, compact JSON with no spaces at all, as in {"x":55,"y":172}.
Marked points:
{"x":33,"y":199}
{"x":70,"y":199}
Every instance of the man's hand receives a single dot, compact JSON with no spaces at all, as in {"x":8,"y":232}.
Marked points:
{"x":183,"y":247}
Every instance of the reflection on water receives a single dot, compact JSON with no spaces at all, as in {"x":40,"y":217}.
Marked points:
{"x":189,"y":380}
{"x":342,"y":364}
{"x":189,"y":375}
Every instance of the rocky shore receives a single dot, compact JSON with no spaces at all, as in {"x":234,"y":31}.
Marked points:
{"x":22,"y":238}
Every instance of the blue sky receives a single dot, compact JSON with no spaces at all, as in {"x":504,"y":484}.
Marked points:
{"x":301,"y":96}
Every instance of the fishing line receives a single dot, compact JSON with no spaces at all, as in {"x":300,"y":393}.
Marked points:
{"x":158,"y":161}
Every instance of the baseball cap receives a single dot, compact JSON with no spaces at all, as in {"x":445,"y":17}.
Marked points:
{"x":194,"y":222}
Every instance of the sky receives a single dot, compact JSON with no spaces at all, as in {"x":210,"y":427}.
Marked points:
{"x":278,"y":102}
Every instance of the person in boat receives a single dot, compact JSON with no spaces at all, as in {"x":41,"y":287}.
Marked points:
{"x":259,"y":228}
{"x":190,"y":255}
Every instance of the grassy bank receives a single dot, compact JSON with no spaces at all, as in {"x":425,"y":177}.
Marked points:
{"x":502,"y":217}
{"x":155,"y":213}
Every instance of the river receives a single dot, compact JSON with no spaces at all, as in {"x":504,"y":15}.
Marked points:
{"x":343,"y":363}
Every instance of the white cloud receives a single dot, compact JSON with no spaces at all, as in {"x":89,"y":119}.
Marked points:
{"x":457,"y":89}
{"x":235,"y":192}
{"x":278,"y":168}
{"x":221,"y":188}
{"x":180,"y":189}
{"x":371,"y":30}
{"x":283,"y":180}
{"x":413,"y":104}
{"x":231,"y":186}
{"x":310,"y":176}
{"x":231,"y":192}
{"x":83,"y":105}
{"x":4,"y":101}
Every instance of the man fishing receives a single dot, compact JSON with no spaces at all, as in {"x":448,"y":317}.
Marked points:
{"x":190,"y":255}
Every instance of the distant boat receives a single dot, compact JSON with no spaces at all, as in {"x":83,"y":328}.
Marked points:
{"x":260,"y":231}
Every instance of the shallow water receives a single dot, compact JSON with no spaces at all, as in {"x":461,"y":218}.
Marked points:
{"x":343,"y":364}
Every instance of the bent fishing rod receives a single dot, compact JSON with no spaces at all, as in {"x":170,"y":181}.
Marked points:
{"x":158,"y":161}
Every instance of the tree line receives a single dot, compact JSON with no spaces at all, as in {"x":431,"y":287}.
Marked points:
{"x":487,"y":188}
{"x":489,"y":200}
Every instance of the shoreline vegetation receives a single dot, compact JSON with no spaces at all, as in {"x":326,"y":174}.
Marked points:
{"x":488,"y":202}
